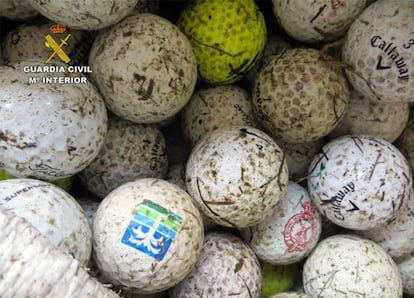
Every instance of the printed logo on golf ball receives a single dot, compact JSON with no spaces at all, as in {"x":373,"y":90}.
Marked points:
{"x":152,"y":229}
{"x":359,"y":182}
{"x":379,"y":49}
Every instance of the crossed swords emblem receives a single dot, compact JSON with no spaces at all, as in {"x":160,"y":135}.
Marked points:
{"x":57,"y":48}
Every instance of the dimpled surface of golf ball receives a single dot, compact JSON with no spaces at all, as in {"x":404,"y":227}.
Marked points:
{"x":227,"y":267}
{"x":359,"y":182}
{"x":349,"y":266}
{"x":386,"y":120}
{"x":237,"y":176}
{"x":84,"y":14}
{"x":290,"y":233}
{"x":51,"y":131}
{"x":19,"y":10}
{"x":320,"y":20}
{"x":148,"y":235}
{"x":144,"y":67}
{"x":228,"y":37}
{"x":130,"y":151}
{"x":397,"y":236}
{"x":379,"y":48}
{"x":299,"y":96}
{"x":27,"y":42}
{"x":209,"y":108}
{"x":52,"y":211}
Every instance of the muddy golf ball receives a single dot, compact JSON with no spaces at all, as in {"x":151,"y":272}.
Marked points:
{"x":380,"y":119}
{"x":18,"y":10}
{"x":52,"y":211}
{"x":290,"y":233}
{"x":350,"y":266}
{"x":84,"y":15}
{"x":300,"y":96}
{"x":226,"y":266}
{"x":313,"y":21}
{"x":237,"y":176}
{"x":379,"y":50}
{"x":50,"y":131}
{"x":144,"y":67}
{"x":359,"y":182}
{"x":209,"y":108}
{"x":397,"y":236}
{"x":130,"y":151}
{"x":148,"y":235}
{"x":228,"y":37}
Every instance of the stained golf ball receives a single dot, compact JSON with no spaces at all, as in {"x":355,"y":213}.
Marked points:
{"x":290,"y":233}
{"x":226,"y":266}
{"x":144,"y":67}
{"x":359,"y":182}
{"x":52,"y":211}
{"x":148,"y":235}
{"x":379,"y":49}
{"x":313,"y":21}
{"x":228,"y":37}
{"x":50,"y":131}
{"x":130,"y":151}
{"x":386,"y":120}
{"x":300,"y":96}
{"x":237,"y":176}
{"x":84,"y":15}
{"x":350,"y":266}
{"x":210,"y":107}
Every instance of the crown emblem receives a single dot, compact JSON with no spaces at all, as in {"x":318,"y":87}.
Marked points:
{"x":58,"y":29}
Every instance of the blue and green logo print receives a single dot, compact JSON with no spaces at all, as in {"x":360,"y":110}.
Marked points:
{"x":152,"y":230}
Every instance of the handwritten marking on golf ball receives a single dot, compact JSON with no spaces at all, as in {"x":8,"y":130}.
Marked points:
{"x":300,"y":229}
{"x":152,"y":230}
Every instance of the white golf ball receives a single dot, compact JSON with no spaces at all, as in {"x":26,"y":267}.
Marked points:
{"x":49,"y":131}
{"x":237,"y":176}
{"x":379,"y":49}
{"x":52,"y":211}
{"x":148,"y":235}
{"x":359,"y":182}
{"x":290,"y":233}
{"x":349,"y":266}
{"x":130,"y":151}
{"x":320,"y":20}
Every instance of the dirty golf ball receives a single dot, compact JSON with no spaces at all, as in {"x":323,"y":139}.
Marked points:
{"x":148,"y":235}
{"x":359,"y":182}
{"x":406,"y":268}
{"x":228,"y":37}
{"x":144,"y":67}
{"x":130,"y":151}
{"x":350,"y":266}
{"x":209,"y":108}
{"x":86,"y":14}
{"x":386,"y":120}
{"x":300,"y":95}
{"x":405,"y":142}
{"x":18,"y":10}
{"x":51,"y":131}
{"x":226,"y":266}
{"x":313,"y":21}
{"x":52,"y":211}
{"x":290,"y":233}
{"x":237,"y":176}
{"x":379,"y":49}
{"x":397,"y":236}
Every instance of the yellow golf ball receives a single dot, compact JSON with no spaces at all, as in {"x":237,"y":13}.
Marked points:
{"x":228,"y":37}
